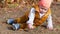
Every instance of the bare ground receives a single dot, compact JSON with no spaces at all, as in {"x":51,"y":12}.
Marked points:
{"x":14,"y":13}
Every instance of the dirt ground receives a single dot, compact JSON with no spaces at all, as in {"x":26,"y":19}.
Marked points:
{"x":14,"y":13}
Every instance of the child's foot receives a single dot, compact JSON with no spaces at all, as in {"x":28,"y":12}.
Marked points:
{"x":10,"y":21}
{"x":16,"y":26}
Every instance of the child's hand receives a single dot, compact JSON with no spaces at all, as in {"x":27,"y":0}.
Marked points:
{"x":50,"y":28}
{"x":30,"y":26}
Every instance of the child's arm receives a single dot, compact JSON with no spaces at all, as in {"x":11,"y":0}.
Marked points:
{"x":49,"y":21}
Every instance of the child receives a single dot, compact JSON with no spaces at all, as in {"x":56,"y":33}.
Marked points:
{"x":44,"y":5}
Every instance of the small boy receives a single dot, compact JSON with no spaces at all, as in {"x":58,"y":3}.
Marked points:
{"x":44,"y":5}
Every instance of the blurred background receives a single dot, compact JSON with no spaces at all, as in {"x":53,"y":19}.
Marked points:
{"x":17,"y":8}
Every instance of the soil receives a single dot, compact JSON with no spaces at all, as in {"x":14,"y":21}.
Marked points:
{"x":6,"y":13}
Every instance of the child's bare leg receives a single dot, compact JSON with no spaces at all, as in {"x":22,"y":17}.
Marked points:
{"x":31,"y":18}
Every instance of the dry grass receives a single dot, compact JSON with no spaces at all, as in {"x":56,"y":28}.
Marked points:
{"x":15,"y":13}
